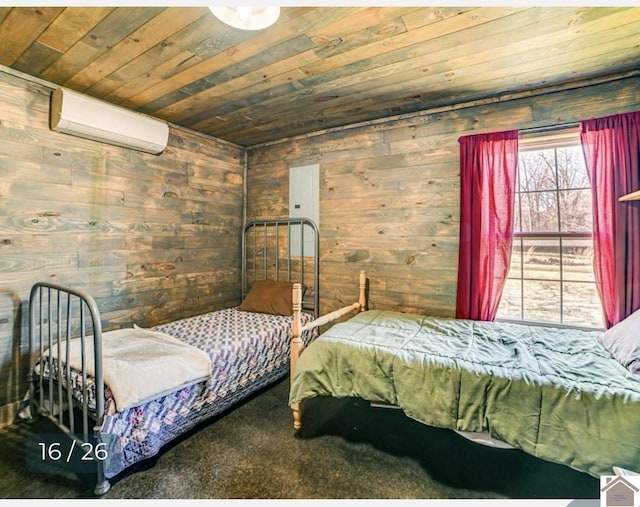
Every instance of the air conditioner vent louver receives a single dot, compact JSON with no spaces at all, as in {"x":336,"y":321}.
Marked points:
{"x":83,"y":116}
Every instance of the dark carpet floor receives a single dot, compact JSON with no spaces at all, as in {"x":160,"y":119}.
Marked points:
{"x":346,"y":450}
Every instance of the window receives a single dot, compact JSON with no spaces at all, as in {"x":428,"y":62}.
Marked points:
{"x":551,"y":273}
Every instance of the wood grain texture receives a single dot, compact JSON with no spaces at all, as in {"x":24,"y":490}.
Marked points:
{"x":317,"y":67}
{"x":377,"y":96}
{"x":389,"y":191}
{"x":152,"y":237}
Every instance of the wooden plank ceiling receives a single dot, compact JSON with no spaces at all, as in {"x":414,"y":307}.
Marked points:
{"x":317,"y":67}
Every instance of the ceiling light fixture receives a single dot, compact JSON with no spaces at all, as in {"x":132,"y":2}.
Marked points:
{"x":247,"y":18}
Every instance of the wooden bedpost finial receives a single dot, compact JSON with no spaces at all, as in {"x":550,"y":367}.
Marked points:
{"x":362,"y":297}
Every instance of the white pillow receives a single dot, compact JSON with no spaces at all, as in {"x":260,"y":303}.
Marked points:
{"x":623,"y":341}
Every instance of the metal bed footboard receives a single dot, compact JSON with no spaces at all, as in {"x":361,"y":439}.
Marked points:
{"x":58,"y":314}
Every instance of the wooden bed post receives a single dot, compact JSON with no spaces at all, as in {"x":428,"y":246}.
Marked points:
{"x":362,"y":292}
{"x":297,"y":345}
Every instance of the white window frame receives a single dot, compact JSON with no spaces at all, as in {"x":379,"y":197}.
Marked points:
{"x":545,"y":141}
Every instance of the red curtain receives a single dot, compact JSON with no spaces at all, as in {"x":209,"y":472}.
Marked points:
{"x":488,"y":164}
{"x":611,"y":148}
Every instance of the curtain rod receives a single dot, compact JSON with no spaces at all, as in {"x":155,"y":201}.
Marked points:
{"x":543,"y":129}
{"x":549,"y":128}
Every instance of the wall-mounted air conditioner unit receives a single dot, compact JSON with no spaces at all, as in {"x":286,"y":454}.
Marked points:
{"x":84,"y":116}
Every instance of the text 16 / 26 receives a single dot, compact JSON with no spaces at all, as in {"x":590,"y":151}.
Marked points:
{"x":87,"y":451}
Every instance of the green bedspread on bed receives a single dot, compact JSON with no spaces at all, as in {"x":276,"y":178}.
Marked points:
{"x":554,"y":393}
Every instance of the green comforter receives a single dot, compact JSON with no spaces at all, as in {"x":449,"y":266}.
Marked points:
{"x":554,"y":393}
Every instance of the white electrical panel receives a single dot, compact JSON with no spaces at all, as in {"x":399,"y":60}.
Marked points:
{"x":304,"y":202}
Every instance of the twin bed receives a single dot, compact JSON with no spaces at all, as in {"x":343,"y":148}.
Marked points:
{"x":563,"y":395}
{"x":124,"y":394}
{"x":555,"y":393}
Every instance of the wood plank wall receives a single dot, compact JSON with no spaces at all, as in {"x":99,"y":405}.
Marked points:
{"x":156,"y":238}
{"x":152,"y":237}
{"x":389,"y":192}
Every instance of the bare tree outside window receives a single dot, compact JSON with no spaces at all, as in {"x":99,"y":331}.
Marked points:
{"x":551,"y":274}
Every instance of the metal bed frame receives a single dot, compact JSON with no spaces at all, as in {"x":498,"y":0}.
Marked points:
{"x":52,"y":323}
{"x":271,"y":229}
{"x":58,"y":313}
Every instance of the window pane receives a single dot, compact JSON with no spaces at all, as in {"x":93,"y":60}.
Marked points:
{"x":541,"y":300}
{"x":510,"y":304}
{"x":577,"y":260}
{"x":539,"y":212}
{"x":575,"y":210}
{"x":541,"y":258}
{"x":516,"y":214}
{"x":515,"y":266}
{"x":536,"y":170}
{"x":551,"y":278}
{"x":572,"y":172}
{"x":581,"y":304}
